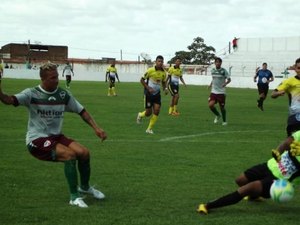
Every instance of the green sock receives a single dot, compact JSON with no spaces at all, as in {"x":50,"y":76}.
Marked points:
{"x":85,"y":172}
{"x":215,"y":111}
{"x":71,"y":175}
{"x":223,"y":112}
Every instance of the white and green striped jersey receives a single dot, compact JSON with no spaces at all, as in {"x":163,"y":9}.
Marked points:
{"x":219,"y":77}
{"x":46,"y":110}
{"x":67,"y":70}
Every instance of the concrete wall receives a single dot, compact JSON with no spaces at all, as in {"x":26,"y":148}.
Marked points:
{"x":278,"y":44}
{"x":280,"y":53}
{"x":134,"y":75}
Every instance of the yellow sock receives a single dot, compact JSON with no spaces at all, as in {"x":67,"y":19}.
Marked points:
{"x":171,"y":108}
{"x":113,"y":90}
{"x":142,"y":114}
{"x":175,"y":108}
{"x":152,"y":121}
{"x":109,"y":91}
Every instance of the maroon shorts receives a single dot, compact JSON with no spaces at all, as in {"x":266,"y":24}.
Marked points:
{"x":217,"y":98}
{"x":44,"y":148}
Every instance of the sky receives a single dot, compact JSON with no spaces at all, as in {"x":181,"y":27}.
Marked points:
{"x":123,"y":29}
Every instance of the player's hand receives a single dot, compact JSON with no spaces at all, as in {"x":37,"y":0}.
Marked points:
{"x":276,"y":154}
{"x":101,"y":134}
{"x":295,"y":148}
{"x":150,"y":90}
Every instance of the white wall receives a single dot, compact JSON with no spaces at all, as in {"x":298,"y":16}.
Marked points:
{"x":239,"y":82}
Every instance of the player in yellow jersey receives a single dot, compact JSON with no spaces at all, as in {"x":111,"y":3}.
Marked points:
{"x":291,"y":87}
{"x":153,"y":79}
{"x":174,"y":75}
{"x":111,"y":75}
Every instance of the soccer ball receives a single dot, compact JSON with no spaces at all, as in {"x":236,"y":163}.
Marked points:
{"x":281,"y":191}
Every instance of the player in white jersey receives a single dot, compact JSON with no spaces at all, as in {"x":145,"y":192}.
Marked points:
{"x":47,"y":104}
{"x":68,"y":71}
{"x":220,"y":79}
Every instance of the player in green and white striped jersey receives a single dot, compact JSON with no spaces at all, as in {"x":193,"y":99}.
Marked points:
{"x":220,"y":79}
{"x":47,"y":104}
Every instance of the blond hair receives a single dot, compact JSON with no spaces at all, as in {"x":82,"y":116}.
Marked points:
{"x":49,"y":66}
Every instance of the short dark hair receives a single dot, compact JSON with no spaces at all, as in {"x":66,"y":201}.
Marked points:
{"x":159,"y":57}
{"x":265,"y":64}
{"x":297,"y":61}
{"x":218,"y":59}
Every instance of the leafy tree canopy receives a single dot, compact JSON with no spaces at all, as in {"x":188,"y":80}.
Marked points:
{"x":198,"y":53}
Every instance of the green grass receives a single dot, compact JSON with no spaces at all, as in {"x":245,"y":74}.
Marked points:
{"x":148,"y":179}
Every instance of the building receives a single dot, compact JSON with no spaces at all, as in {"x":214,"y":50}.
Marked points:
{"x":15,"y":53}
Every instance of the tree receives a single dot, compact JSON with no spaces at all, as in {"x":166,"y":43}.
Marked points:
{"x":199,"y":53}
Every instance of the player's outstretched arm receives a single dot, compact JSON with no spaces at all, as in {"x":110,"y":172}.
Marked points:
{"x":90,"y":121}
{"x":6,"y":99}
{"x":277,"y":93}
{"x":287,"y":144}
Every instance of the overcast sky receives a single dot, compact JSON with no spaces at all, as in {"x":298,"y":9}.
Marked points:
{"x":102,"y":28}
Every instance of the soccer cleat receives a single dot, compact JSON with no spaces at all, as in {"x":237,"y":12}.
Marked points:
{"x":253,"y":199}
{"x":92,"y":191}
{"x":138,"y":119}
{"x":149,"y":131}
{"x":260,"y":105}
{"x":216,"y":120}
{"x":224,"y":123}
{"x":261,"y":108}
{"x":78,"y":202}
{"x":202,"y":209}
{"x":175,"y":113}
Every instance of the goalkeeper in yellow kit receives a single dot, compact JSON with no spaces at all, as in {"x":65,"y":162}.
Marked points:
{"x":256,"y":181}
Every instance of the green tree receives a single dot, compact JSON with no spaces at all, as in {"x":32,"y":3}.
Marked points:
{"x":199,"y":53}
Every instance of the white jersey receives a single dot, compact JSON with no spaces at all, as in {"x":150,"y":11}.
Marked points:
{"x":46,"y":110}
{"x":219,"y":77}
{"x":68,"y":70}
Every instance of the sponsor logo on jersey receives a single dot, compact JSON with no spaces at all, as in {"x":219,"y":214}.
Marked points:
{"x":62,"y":94}
{"x":51,"y":98}
{"x":46,"y":113}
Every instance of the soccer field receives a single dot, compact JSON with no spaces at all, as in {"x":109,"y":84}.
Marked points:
{"x":148,"y":179}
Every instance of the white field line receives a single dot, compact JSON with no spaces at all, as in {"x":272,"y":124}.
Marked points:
{"x":210,"y":133}
{"x":167,"y":139}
